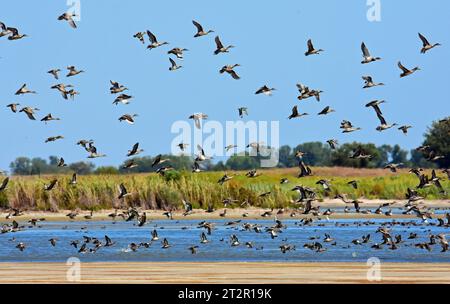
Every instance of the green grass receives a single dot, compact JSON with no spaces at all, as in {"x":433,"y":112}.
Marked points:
{"x":95,"y":192}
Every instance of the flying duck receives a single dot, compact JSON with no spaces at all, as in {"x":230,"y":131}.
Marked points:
{"x":123,"y":99}
{"x":348,"y":127}
{"x":265,"y":90}
{"x":15,"y":34}
{"x":24,"y":90}
{"x":242,"y":111}
{"x":62,"y":89}
{"x":229,"y":69}
{"x":366,"y":54}
{"x":130,"y":164}
{"x":198,"y":117}
{"x":220,"y":48}
{"x":73,"y":71}
{"x":165,"y":244}
{"x":69,"y":18}
{"x":13,"y":107}
{"x":229,"y":147}
{"x":53,"y":138}
{"x":54,"y":72}
{"x":153,"y":41}
{"x":178,"y":52}
{"x":224,"y":179}
{"x":129,"y":118}
{"x":296,"y":114}
{"x":405,"y":71}
{"x":123,"y":191}
{"x":51,"y":185}
{"x":200,"y":30}
{"x":174,"y":65}
{"x":196,"y":167}
{"x":193,"y":249}
{"x":326,"y":110}
{"x":393,"y":167}
{"x":311,"y":50}
{"x":201,"y":156}
{"x":158,"y":160}
{"x":404,"y":129}
{"x":73,"y":180}
{"x":116,"y":87}
{"x":332,"y":143}
{"x":140,"y":36}
{"x":369,"y":83}
{"x":61,"y":163}
{"x":135,"y":150}
{"x":304,"y":169}
{"x":49,"y":117}
{"x":182,"y":146}
{"x":426,"y":45}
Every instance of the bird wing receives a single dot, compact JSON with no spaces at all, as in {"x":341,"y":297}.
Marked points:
{"x":310,"y":46}
{"x":135,"y":148}
{"x":13,"y":30}
{"x":4,"y":183}
{"x":365,"y":50}
{"x":72,"y":23}
{"x":294,"y":111}
{"x":122,"y":189}
{"x":157,"y":160}
{"x":400,"y":65}
{"x":198,"y":26}
{"x":234,"y":74}
{"x":218,"y":42}
{"x":381,"y":118}
{"x":152,"y":37}
{"x":325,"y":110}
{"x":424,"y":40}
{"x":30,"y":115}
{"x":367,"y":79}
{"x":174,"y":64}
{"x":197,"y":122}
{"x":377,"y":109}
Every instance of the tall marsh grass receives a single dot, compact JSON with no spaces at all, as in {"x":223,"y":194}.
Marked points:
{"x":151,"y":191}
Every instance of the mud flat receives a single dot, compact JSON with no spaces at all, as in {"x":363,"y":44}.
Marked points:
{"x":241,"y":272}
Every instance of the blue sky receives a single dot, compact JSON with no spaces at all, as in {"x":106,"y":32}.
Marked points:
{"x":270,"y":39}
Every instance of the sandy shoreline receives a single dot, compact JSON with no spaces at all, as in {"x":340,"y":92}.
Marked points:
{"x":234,"y":213}
{"x":210,"y":273}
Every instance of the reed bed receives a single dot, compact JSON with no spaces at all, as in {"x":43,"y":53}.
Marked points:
{"x":151,"y":191}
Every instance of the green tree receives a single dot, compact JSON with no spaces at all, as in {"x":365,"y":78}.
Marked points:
{"x":317,"y":154}
{"x":106,"y":170}
{"x":286,"y":157}
{"x":438,"y":138}
{"x":243,"y":162}
{"x":341,"y":156}
{"x":82,"y":168}
{"x":21,"y":166}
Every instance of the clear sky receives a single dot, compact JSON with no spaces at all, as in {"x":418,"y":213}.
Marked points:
{"x":270,"y":39}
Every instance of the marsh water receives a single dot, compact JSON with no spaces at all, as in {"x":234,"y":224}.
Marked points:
{"x":185,"y":233}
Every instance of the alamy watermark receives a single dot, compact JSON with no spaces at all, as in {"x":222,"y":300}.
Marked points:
{"x":374,"y":11}
{"x":250,"y":138}
{"x":74,"y":9}
{"x":73,"y":273}
{"x":374,"y":271}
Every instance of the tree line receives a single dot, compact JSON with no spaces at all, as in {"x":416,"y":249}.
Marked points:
{"x":437,"y":138}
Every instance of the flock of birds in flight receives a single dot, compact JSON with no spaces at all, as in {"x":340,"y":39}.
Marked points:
{"x":306,"y":195}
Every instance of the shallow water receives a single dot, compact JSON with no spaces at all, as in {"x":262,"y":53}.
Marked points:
{"x":183,"y":234}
